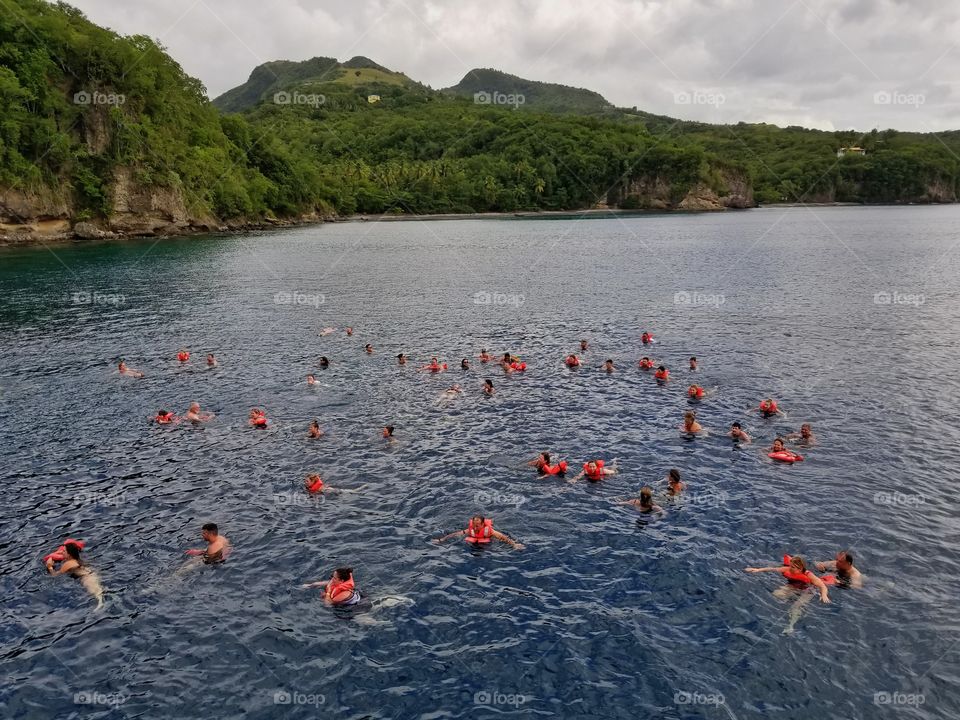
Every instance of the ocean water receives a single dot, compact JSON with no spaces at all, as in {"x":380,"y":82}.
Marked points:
{"x":849,"y":317}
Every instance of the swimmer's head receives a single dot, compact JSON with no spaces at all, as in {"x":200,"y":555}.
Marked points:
{"x":73,"y":550}
{"x":608,"y":362}
{"x":507,"y":357}
{"x":343,"y":573}
{"x":797,"y":564}
{"x":323,"y":361}
{"x":388,"y":430}
{"x":368,"y":347}
{"x":806,"y":430}
{"x":674,"y":476}
{"x":194,"y":407}
{"x":693,"y":358}
{"x":477,"y":521}
{"x":209,"y":531}
{"x":121,"y":364}
{"x":735,"y":426}
{"x":488,"y":383}
{"x":464,"y":363}
{"x":646,"y":495}
{"x":662,"y":368}
{"x":546,"y":457}
{"x":689,"y":418}
{"x":315,"y":425}
{"x":844,"y":560}
{"x":778,"y":445}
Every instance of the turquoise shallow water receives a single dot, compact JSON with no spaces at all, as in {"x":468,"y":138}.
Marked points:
{"x":600,"y":615}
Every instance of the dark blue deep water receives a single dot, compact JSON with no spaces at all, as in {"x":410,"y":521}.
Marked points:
{"x":848,"y":316}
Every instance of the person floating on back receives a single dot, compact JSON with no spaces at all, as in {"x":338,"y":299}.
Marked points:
{"x":479,"y":531}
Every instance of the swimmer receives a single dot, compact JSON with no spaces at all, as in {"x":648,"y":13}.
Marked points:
{"x":434,"y":366}
{"x":258,"y":418}
{"x":218,"y":547}
{"x":211,"y":360}
{"x":583,"y":346}
{"x":485,"y":356}
{"x":450,"y":393}
{"x":368,"y":349}
{"x":165,"y":417}
{"x":195,"y":416}
{"x":646,"y":338}
{"x":314,"y":484}
{"x":797,"y":574}
{"x":327,"y":331}
{"x":129,"y":372}
{"x":608,"y":366}
{"x":804,"y":437}
{"x":339,"y":590}
{"x":542,"y":463}
{"x":645,"y":363}
{"x":690,"y":424}
{"x":768,"y":408}
{"x":506,"y":361}
{"x":315,"y":431}
{"x":387,"y":434}
{"x":644,"y":503}
{"x":662,"y":374}
{"x":594,"y":471}
{"x":572,"y":361}
{"x":779,"y":447}
{"x":488,"y":388}
{"x":480,"y":531}
{"x":738,"y":434}
{"x":324,"y":362}
{"x":847,"y":574}
{"x":464,"y":365}
{"x":349,"y":332}
{"x":183,"y":355}
{"x":401,"y":359}
{"x":675,"y":486}
{"x":73,"y":566}
{"x":696,"y":392}
{"x":693,"y":363}
{"x":311,"y":380}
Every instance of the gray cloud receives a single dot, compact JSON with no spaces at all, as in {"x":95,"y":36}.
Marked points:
{"x":819,"y":63}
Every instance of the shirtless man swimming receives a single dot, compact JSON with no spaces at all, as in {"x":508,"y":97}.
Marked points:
{"x":129,"y":372}
{"x":218,"y":546}
{"x":847,"y":574}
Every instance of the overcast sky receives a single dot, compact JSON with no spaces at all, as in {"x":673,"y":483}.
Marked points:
{"x":833,"y":64}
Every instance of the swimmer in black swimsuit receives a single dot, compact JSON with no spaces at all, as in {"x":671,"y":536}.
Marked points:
{"x":73,"y":566}
{"x":218,"y":547}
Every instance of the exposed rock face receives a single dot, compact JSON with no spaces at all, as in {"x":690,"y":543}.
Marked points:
{"x":654,"y":192}
{"x":939,"y":191}
{"x":139,"y":210}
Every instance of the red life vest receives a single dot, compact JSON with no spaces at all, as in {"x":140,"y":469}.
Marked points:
{"x":662,"y":374}
{"x":259,"y":421}
{"x":559,"y":469}
{"x":695,"y":392}
{"x":768,"y":408}
{"x":316,"y":485}
{"x":520,"y":366}
{"x":483,"y":536}
{"x":596,"y":474}
{"x":804,"y":578}
{"x":164,"y":419}
{"x":60,"y":554}
{"x":183,"y":356}
{"x":646,"y":364}
{"x":646,"y":338}
{"x":336,"y":586}
{"x":572,"y":361}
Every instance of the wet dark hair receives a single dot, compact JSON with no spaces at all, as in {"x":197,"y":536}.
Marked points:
{"x":343,"y":573}
{"x":546,"y":457}
{"x":675,"y":475}
{"x":646,"y":494}
{"x":399,"y":355}
{"x":324,"y":360}
{"x":847,"y":556}
{"x":736,"y":425}
{"x":389,"y":429}
{"x":693,"y":357}
{"x":315,"y":423}
{"x":161,"y":413}
{"x":73,"y":550}
{"x":463,"y":362}
{"x":488,"y":383}
{"x":484,"y":350}
{"x":609,"y":360}
{"x":507,"y":356}
{"x":211,"y":527}
{"x":661,"y":368}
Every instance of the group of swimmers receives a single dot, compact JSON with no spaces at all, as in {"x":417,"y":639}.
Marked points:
{"x":340,"y":588}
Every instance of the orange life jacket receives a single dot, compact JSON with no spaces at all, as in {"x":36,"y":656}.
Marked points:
{"x":662,"y":374}
{"x":183,"y":356}
{"x":646,"y":364}
{"x":337,"y":586}
{"x":768,"y":408}
{"x":559,"y":469}
{"x":316,"y":485}
{"x":164,"y":419}
{"x":805,"y":577}
{"x":60,"y":554}
{"x":483,"y":536}
{"x":596,"y":474}
{"x":695,"y":392}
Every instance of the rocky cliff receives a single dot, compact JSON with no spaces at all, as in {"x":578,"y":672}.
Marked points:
{"x":729,"y":189}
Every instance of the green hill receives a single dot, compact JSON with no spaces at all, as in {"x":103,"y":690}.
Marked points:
{"x":492,"y":87}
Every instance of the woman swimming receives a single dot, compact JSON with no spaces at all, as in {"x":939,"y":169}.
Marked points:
{"x":73,"y":566}
{"x":340,"y":589}
{"x":644,"y":503}
{"x":479,"y":531}
{"x":314,"y":431}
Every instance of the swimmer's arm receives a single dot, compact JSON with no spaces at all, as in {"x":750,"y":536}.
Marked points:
{"x":51,"y":570}
{"x":826,"y":565}
{"x":576,"y":477}
{"x":779,"y":568}
{"x":508,"y":540}
{"x":819,"y":584}
{"x":458,"y":533}
{"x":318,"y":583}
{"x":634,"y":502}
